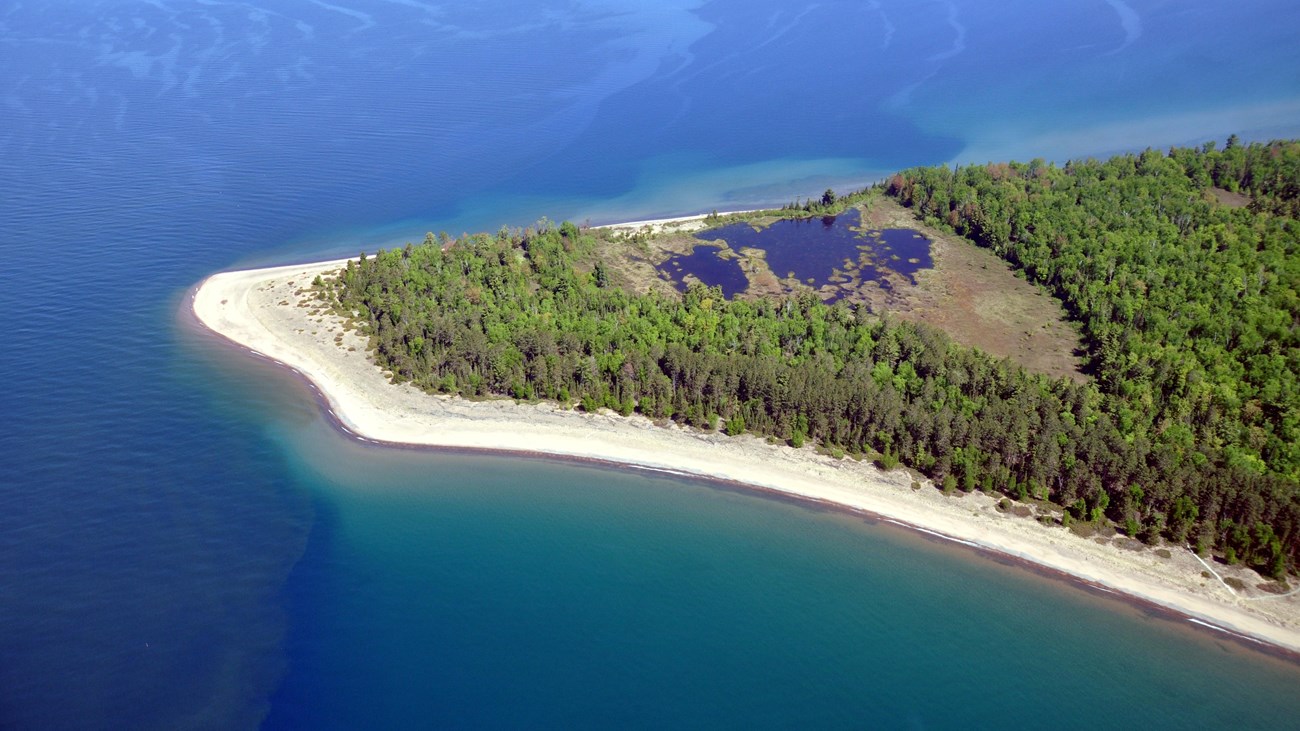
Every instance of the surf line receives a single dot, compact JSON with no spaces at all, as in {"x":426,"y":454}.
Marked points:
{"x":660,"y":470}
{"x":936,"y":534}
{"x":1225,"y":630}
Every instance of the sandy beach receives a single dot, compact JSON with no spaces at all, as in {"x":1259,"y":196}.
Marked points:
{"x":684,"y":224}
{"x":273,"y":313}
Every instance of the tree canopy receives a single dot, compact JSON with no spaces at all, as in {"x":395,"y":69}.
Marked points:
{"x":1189,"y":305}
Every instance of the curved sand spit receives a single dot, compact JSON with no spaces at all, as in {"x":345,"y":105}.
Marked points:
{"x":270,"y":312}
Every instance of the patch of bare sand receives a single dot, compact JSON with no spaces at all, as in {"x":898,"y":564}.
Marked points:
{"x":1229,"y":198}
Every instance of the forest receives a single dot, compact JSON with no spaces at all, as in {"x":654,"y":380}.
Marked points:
{"x":1180,"y":268}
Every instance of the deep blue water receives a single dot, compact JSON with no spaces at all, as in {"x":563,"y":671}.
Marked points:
{"x":185,"y":543}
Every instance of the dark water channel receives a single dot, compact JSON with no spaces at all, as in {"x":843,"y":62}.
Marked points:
{"x":816,"y":251}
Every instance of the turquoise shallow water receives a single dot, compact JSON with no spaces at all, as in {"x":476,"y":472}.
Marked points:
{"x":505,"y":592}
{"x":186,"y":543}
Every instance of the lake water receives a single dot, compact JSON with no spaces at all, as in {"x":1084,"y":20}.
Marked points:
{"x":186,"y":543}
{"x":712,"y":265}
{"x":815,"y":251}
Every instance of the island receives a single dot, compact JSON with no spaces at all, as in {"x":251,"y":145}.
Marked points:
{"x":1096,"y":376}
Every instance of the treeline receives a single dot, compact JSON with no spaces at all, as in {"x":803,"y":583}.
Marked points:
{"x":1190,"y":305}
{"x":533,"y":314}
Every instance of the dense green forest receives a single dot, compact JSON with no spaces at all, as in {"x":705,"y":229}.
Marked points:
{"x":1188,"y":433}
{"x":1189,"y":306}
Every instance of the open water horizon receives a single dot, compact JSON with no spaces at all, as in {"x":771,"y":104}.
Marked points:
{"x":186,"y":541}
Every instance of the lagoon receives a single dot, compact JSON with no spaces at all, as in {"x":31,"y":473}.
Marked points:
{"x":833,"y":254}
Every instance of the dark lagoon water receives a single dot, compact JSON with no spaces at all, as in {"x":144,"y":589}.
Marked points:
{"x":712,"y":265}
{"x":814,"y":251}
{"x":186,"y":543}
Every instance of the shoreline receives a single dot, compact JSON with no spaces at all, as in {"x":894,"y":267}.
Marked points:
{"x":266,"y":312}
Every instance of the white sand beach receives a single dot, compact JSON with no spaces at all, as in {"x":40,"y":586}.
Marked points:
{"x":683,"y":224}
{"x":272,"y":312}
